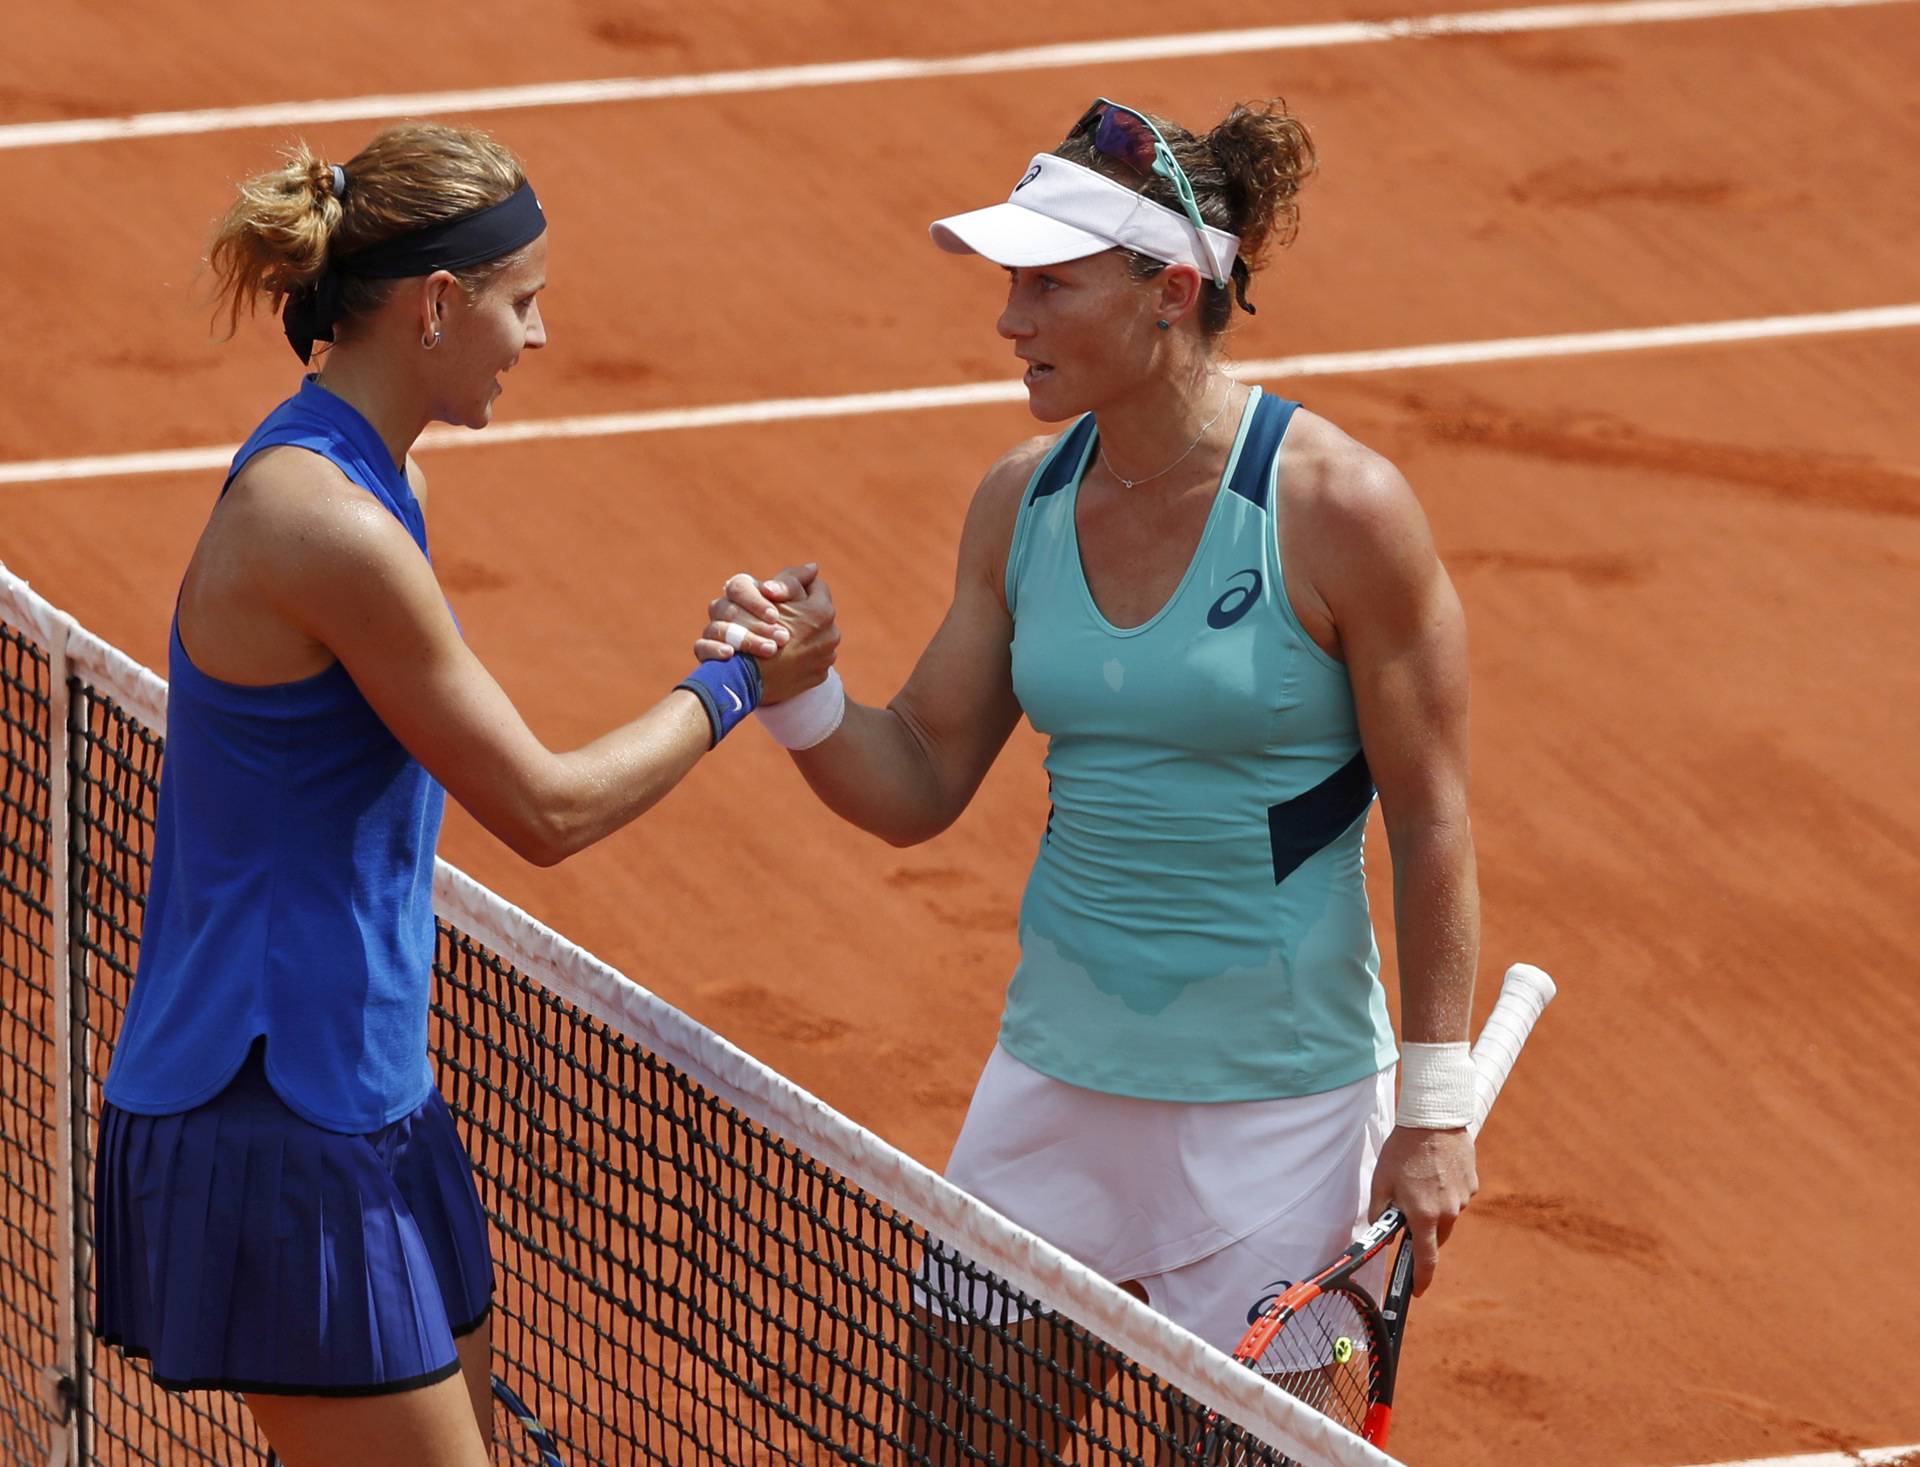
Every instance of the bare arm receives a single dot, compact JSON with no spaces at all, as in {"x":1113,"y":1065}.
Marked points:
{"x":333,"y":566}
{"x":906,"y":771}
{"x":1403,"y":636}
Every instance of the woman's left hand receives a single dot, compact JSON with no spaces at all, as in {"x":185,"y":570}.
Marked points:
{"x":813,"y":643}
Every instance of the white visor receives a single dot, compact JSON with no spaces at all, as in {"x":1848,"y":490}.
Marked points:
{"x":1062,"y":211}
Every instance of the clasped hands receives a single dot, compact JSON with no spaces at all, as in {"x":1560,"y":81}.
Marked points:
{"x":787,"y":621}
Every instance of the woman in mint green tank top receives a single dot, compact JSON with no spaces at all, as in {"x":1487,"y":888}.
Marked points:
{"x":1229,"y":619}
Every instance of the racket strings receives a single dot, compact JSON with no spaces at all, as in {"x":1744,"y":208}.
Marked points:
{"x":1328,"y":1356}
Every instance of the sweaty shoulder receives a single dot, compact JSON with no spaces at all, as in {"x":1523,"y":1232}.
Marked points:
{"x":1347,"y":517}
{"x":1008,"y":478}
{"x":988,"y":536}
{"x":293,"y":494}
{"x":291,"y":542}
{"x":302,"y":520}
{"x":1327,"y":472}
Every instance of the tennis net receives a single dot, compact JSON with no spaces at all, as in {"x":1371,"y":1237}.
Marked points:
{"x":698,"y":1262}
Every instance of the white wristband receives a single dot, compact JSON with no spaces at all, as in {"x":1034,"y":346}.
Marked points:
{"x":807,"y":718}
{"x":1436,"y":1086}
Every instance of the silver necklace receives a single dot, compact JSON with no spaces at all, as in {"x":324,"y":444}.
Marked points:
{"x":1127,"y":483}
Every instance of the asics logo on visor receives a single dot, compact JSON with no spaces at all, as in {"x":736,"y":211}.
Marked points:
{"x":1032,"y":174}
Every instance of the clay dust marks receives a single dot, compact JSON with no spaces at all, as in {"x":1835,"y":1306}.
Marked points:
{"x":1570,"y":1225}
{"x":1579,"y":185}
{"x":1797,"y":475}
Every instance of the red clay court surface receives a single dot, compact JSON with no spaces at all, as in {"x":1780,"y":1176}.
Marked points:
{"x":1690,"y":575}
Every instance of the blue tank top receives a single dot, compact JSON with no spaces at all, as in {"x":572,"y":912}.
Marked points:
{"x":292,"y":887}
{"x":1195,"y":926}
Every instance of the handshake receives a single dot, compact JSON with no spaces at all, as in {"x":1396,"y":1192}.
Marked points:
{"x":787,"y":622}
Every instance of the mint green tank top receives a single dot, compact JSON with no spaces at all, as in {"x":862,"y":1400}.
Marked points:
{"x":1196,"y":924}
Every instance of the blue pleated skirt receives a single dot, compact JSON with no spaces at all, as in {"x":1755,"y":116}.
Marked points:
{"x":240,"y":1247}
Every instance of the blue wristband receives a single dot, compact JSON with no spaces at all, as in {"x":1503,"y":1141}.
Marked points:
{"x":728,"y":690}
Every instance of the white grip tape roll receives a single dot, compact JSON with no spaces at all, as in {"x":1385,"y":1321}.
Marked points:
{"x":1446,"y":1085}
{"x":1524,"y":995}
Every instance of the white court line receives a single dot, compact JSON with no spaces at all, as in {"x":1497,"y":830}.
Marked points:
{"x":1871,"y":1458}
{"x":851,"y":73}
{"x":968,"y":394}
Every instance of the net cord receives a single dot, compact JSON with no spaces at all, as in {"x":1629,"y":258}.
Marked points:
{"x":1024,"y":1259}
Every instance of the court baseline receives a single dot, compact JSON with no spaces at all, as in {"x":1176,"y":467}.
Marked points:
{"x":852,"y":73}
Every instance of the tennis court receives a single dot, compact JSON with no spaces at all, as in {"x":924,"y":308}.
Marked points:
{"x":1688,"y":569}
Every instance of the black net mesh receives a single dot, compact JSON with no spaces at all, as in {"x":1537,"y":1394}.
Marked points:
{"x":677,"y":1284}
{"x":29,"y":1181}
{"x":114,"y":775}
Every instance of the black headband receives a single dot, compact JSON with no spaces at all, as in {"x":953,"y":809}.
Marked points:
{"x":451,"y":244}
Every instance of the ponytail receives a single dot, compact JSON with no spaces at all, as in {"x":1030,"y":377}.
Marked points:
{"x":275,"y":237}
{"x":279,"y":234}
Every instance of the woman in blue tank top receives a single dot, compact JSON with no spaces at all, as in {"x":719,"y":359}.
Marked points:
{"x":282,"y":1205}
{"x":1230,"y":621}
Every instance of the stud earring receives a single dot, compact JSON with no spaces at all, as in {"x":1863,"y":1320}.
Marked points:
{"x":1164,"y":325}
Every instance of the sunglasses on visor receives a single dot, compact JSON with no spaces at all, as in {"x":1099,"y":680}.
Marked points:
{"x":1130,"y":137}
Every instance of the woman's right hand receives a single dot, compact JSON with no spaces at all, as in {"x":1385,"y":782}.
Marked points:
{"x":787,"y":622}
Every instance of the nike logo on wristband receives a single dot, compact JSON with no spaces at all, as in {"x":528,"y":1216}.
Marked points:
{"x":737,"y":705}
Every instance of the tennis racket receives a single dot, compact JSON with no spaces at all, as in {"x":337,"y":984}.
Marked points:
{"x":1324,"y":1340}
{"x":525,"y":1439}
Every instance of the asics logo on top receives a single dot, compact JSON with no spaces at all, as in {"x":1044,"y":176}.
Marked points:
{"x":1235,"y":602}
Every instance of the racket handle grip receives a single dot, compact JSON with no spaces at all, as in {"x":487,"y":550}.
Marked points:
{"x":1525,"y":993}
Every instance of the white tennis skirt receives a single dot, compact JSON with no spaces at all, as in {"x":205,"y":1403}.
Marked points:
{"x":1207,"y":1207}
